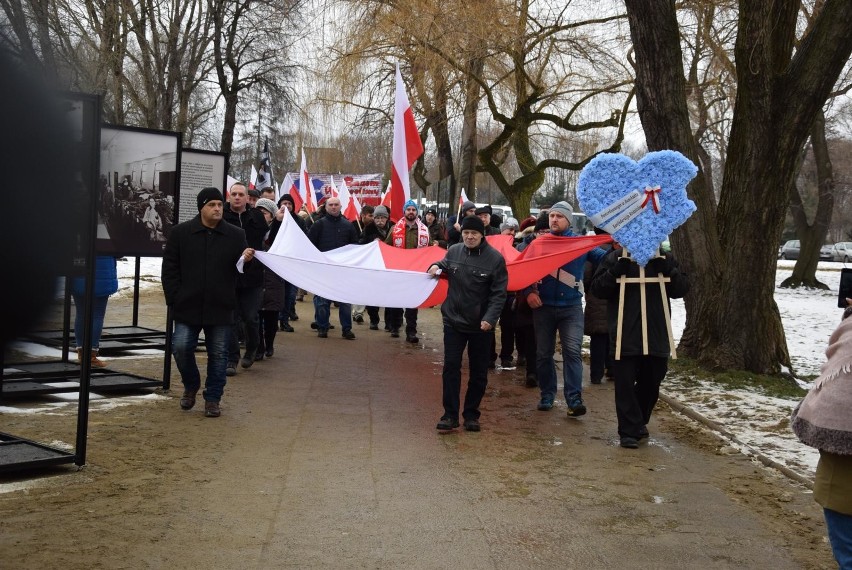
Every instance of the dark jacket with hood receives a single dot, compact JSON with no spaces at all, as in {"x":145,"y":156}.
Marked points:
{"x":199,"y":273}
{"x":477,"y":286}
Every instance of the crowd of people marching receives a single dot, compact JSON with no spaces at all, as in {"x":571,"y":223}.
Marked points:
{"x":241,"y":322}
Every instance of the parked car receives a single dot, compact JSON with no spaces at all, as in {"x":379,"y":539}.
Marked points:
{"x":842,"y":251}
{"x":790,"y":250}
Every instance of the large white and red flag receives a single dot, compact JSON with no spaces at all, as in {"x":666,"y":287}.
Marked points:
{"x":289,"y":187}
{"x":407,"y":148}
{"x":306,"y":187}
{"x":350,"y":273}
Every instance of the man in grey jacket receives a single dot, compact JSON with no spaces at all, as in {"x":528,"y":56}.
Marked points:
{"x":477,"y":291}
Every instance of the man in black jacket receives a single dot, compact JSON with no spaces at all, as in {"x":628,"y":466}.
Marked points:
{"x":199,"y":277}
{"x":638,"y":373}
{"x":330,"y":232}
{"x":477,"y":291}
{"x":250,"y":283}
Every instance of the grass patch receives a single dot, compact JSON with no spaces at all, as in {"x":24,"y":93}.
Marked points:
{"x":774,"y":386}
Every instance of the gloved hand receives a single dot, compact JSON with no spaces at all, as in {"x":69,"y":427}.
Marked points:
{"x":663,"y":265}
{"x":621,"y":267}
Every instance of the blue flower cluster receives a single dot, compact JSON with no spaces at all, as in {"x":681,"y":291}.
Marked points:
{"x":609,"y":177}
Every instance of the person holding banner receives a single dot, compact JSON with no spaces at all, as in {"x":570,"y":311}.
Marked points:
{"x":408,"y":233}
{"x":477,"y":278}
{"x":556,"y":303}
{"x":642,"y":347}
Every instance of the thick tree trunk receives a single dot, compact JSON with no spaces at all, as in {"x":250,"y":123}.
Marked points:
{"x":661,"y":101}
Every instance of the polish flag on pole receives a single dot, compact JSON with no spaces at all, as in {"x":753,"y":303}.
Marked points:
{"x":351,"y":207}
{"x":386,"y":197}
{"x":462,"y":200}
{"x":335,"y":193}
{"x":253,"y":179}
{"x":306,"y":186}
{"x":407,"y":148}
{"x":289,"y":187}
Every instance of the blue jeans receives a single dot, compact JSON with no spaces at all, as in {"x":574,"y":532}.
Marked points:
{"x":840,"y":536}
{"x":568,"y":322}
{"x":99,"y":306}
{"x":322,"y":309}
{"x":249,"y":300}
{"x":184,"y":341}
{"x":478,"y":346}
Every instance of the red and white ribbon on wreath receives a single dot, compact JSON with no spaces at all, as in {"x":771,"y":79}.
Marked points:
{"x":651,"y":193}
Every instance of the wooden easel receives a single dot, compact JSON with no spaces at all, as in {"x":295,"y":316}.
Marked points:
{"x":641,"y":281}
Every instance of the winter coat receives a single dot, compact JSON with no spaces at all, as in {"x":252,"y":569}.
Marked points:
{"x":605,"y":286}
{"x":823,"y":420}
{"x":437,"y":233}
{"x":251,"y":220}
{"x":331,"y":232}
{"x":199,"y":274}
{"x":372,"y":233}
{"x":555,"y":293}
{"x":594,"y":314}
{"x":106,"y":278}
{"x":477,"y":286}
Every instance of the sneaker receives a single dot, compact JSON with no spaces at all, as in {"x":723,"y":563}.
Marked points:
{"x":231,"y":369}
{"x":545,"y":404}
{"x":447,"y":423}
{"x":348,"y":335}
{"x":374,"y":326}
{"x":287,"y":328}
{"x":532,"y":381}
{"x":246,"y":362}
{"x":211,"y":409}
{"x":358,"y":319}
{"x":643,"y":433}
{"x":629,"y":442}
{"x":412,"y":338}
{"x":505,"y":362}
{"x":187,"y":401}
{"x":471,"y":425}
{"x":322,"y":334}
{"x":395,"y":333}
{"x":576,"y":408}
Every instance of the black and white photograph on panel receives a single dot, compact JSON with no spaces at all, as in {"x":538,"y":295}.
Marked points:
{"x":139,"y":184}
{"x":199,"y":169}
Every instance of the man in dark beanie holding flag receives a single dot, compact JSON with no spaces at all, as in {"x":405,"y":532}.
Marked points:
{"x":477,"y":291}
{"x":199,"y":281}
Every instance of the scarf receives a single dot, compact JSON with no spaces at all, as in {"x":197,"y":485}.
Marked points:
{"x":824,"y":418}
{"x":400,"y":228}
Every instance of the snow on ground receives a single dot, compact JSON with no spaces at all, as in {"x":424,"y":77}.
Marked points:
{"x":761,"y":422}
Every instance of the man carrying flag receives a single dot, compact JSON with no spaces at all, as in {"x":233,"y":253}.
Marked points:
{"x":407,"y":148}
